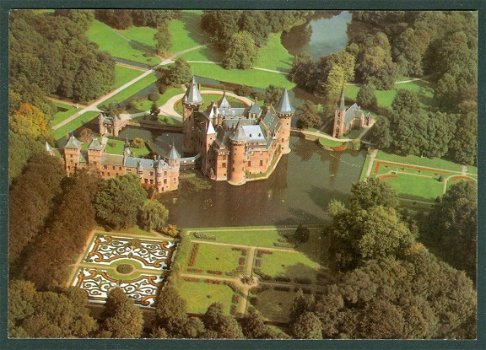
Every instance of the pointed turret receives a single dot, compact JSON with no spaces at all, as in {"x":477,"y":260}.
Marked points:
{"x":193,"y":96}
{"x":341,"y":104}
{"x":284,"y":106}
{"x":73,"y":143}
{"x":48,"y":148}
{"x":223,"y":103}
{"x":210,"y":129}
{"x":173,"y":154}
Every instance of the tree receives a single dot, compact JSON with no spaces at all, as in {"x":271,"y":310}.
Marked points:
{"x":29,"y":120}
{"x":154,"y":110}
{"x":453,"y":226}
{"x":301,"y":304}
{"x":118,"y":201}
{"x":308,"y":115}
{"x":406,"y":100}
{"x":153,"y":215}
{"x":409,"y":50}
{"x":122,"y":319}
{"x":366,"y":97}
{"x":162,"y":38}
{"x":301,"y":234}
{"x":119,"y":19}
{"x":221,"y":325}
{"x":171,"y":311}
{"x":373,"y":192}
{"x":175,"y":74}
{"x":463,"y":145}
{"x":137,"y":142}
{"x":241,"y":52}
{"x":307,"y":326}
{"x":380,"y":135}
{"x":31,"y":200}
{"x":254,"y":327}
{"x":272,"y":95}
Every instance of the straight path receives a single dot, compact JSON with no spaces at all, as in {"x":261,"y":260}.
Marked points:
{"x":257,"y":68}
{"x":286,"y":250}
{"x":371,"y":162}
{"x":93,"y":105}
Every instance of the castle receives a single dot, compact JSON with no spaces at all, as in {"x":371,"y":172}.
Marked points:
{"x":232,"y":144}
{"x":163,"y":175}
{"x":347,"y":119}
{"x":235,"y":144}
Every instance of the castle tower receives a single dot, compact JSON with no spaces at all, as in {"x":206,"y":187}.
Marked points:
{"x":95,"y":151}
{"x":210,"y":138}
{"x":285,"y":113}
{"x":174,"y":157}
{"x":237,"y":165}
{"x":101,"y":124}
{"x":338,"y":128}
{"x":191,"y":102}
{"x":72,"y":154}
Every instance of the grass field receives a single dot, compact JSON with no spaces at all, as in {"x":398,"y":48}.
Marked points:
{"x":273,"y":55}
{"x":292,"y":265}
{"x":124,"y":74}
{"x":73,"y":125}
{"x":117,"y":146}
{"x":385,"y":97}
{"x":186,"y":32}
{"x":119,"y":45}
{"x":415,"y":160}
{"x":144,"y":104}
{"x":416,"y":187}
{"x":216,"y":258}
{"x":131,"y":90}
{"x":64,"y":111}
{"x":366,"y":163}
{"x":199,"y":296}
{"x":275,"y":305}
{"x":329,"y":143}
{"x":251,"y":77}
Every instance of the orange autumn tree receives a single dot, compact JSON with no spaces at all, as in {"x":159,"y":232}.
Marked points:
{"x":29,"y":120}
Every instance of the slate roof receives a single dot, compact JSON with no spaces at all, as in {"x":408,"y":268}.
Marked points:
{"x":223,"y":103}
{"x":73,"y":143}
{"x":111,"y":159}
{"x":95,"y":145}
{"x":210,"y":128}
{"x":255,"y":109}
{"x":192,"y":94}
{"x":252,"y":133}
{"x":284,"y":106}
{"x":353,"y":112}
{"x":270,"y":119}
{"x":173,"y":154}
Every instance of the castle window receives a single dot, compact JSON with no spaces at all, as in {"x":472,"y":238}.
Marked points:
{"x":223,"y":165}
{"x":261,"y":162}
{"x":113,"y":167}
{"x":116,"y":174}
{"x":146,"y":181}
{"x":165,"y":173}
{"x":165,"y":181}
{"x":249,"y":163}
{"x":151,"y":173}
{"x":105,"y":167}
{"x":108,"y":173}
{"x":71,"y":156}
{"x":151,"y":181}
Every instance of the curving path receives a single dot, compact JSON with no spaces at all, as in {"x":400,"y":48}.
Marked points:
{"x":167,"y":108}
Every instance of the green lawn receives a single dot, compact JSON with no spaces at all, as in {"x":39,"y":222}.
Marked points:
{"x":385,"y":97}
{"x":216,"y":258}
{"x":273,"y":55}
{"x":118,"y":45}
{"x":73,"y":125}
{"x":251,"y":77}
{"x":186,"y":32}
{"x":415,"y":160}
{"x":291,"y":264}
{"x":199,"y":296}
{"x":117,"y":146}
{"x":132,"y":90}
{"x":64,"y":111}
{"x":141,"y":37}
{"x":329,"y":143}
{"x":123,"y":75}
{"x":362,"y":176}
{"x":144,"y":104}
{"x":275,"y":305}
{"x":416,"y":187}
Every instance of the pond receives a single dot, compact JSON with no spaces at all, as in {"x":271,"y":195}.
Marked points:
{"x":320,"y":36}
{"x":298,"y":191}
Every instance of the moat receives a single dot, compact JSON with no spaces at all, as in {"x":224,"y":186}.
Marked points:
{"x":298,"y":191}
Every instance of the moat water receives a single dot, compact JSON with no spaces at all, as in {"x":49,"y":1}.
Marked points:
{"x":320,"y":36}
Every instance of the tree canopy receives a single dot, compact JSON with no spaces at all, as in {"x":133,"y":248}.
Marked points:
{"x":241,"y":51}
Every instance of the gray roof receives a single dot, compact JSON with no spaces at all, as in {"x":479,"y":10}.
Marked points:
{"x":48,"y":148}
{"x":251,"y":133}
{"x":255,"y":109}
{"x":353,"y":112}
{"x":284,"y":104}
{"x":234,"y":122}
{"x":232,"y":112}
{"x":173,"y":154}
{"x":192,"y":94}
{"x":144,"y":163}
{"x":95,"y":145}
{"x":270,"y":120}
{"x":210,"y":129}
{"x":73,"y":143}
{"x":223,"y":103}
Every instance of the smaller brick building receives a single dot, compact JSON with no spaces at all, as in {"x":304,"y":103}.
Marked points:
{"x":347,"y":119}
{"x":161,"y":174}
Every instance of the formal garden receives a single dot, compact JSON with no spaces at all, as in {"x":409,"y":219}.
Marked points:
{"x":261,"y":267}
{"x":138,"y":265}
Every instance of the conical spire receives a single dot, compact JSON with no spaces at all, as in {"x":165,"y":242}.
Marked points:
{"x":210,"y":129}
{"x":341,"y":105}
{"x":192,"y":94}
{"x":173,"y":154}
{"x":223,"y":103}
{"x":284,"y":106}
